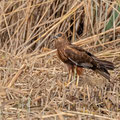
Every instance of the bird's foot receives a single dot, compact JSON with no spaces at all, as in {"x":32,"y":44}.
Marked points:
{"x":69,"y":81}
{"x":66,"y":84}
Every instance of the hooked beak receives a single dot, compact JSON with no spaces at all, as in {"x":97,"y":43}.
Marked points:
{"x":55,"y":37}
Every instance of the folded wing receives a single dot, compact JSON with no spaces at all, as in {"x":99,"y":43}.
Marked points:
{"x":81,"y":58}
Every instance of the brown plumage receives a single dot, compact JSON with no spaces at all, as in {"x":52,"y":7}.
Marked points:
{"x":76,"y":57}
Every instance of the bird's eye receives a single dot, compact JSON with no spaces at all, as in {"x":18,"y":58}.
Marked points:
{"x":59,"y":35}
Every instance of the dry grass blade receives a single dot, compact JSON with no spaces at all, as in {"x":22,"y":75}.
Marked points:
{"x":16,"y":76}
{"x":32,"y":77}
{"x":89,"y":114}
{"x":53,"y":27}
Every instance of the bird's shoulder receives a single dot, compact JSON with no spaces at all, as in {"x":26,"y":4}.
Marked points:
{"x":73,"y":48}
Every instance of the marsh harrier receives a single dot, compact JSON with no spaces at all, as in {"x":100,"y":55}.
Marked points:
{"x":77,"y":58}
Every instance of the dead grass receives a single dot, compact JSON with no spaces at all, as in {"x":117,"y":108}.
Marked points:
{"x":32,"y":77}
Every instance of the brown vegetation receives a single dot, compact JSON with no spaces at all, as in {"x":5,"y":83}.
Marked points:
{"x":32,"y":77}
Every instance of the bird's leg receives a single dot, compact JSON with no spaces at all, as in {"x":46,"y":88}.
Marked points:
{"x":76,"y":72}
{"x":77,"y":80}
{"x":79,"y":72}
{"x":70,"y":75}
{"x":70,"y":69}
{"x":69,"y":79}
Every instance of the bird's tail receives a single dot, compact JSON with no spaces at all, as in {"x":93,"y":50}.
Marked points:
{"x":104,"y":66}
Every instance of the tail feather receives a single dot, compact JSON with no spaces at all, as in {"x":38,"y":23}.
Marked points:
{"x":108,"y":65}
{"x":104,"y":74}
{"x":104,"y":66}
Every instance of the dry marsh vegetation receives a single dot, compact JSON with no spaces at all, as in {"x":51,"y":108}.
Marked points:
{"x":32,"y":77}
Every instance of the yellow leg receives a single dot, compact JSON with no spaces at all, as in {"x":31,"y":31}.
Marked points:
{"x":69,"y":79}
{"x":75,"y":72}
{"x":77,"y":80}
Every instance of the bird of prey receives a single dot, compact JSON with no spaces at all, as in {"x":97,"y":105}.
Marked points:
{"x":76,"y":58}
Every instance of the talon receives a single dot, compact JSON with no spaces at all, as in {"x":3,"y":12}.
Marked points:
{"x":66,"y":84}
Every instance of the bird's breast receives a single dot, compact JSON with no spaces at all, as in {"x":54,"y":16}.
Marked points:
{"x":62,"y":56}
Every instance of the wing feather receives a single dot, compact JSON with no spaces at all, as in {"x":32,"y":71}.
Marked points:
{"x":79,"y":57}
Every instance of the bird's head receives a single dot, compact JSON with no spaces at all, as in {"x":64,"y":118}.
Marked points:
{"x":60,"y":40}
{"x":59,"y":35}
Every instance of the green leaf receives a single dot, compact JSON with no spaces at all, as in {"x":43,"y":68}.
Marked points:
{"x":110,"y":23}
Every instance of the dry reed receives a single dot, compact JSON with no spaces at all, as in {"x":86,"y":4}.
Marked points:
{"x":32,"y":77}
